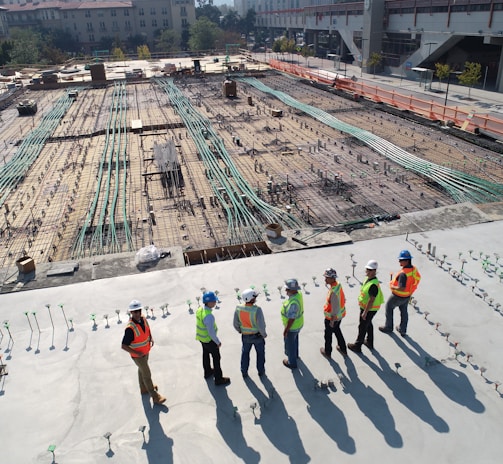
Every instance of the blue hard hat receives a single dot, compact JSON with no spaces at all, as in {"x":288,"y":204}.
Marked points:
{"x":209,"y":296}
{"x":404,"y":254}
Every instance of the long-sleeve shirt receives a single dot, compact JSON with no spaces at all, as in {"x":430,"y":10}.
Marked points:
{"x":209,"y":323}
{"x":260,"y":321}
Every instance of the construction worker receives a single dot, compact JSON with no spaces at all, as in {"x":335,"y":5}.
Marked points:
{"x":206,"y":333}
{"x":369,"y":300}
{"x":402,"y":285}
{"x":138,"y":341}
{"x":334,"y":311}
{"x":292,"y":315}
{"x":249,"y":322}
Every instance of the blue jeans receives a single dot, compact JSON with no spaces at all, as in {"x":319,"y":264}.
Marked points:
{"x":292,"y":347}
{"x":391,"y":304}
{"x":258,"y":342}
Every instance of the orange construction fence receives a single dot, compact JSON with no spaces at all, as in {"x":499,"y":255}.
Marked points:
{"x":465,"y":119}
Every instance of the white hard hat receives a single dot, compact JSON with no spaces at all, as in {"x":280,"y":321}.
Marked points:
{"x":372,"y":264}
{"x":135,"y":305}
{"x":248,"y":295}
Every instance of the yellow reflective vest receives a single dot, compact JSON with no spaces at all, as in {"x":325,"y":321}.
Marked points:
{"x":299,"y":319}
{"x":364,"y":297}
{"x":201,"y":330}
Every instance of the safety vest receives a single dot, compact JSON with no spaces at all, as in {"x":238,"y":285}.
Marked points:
{"x":299,"y":319}
{"x":141,"y":340}
{"x":248,"y":319}
{"x":413,"y":278}
{"x":336,"y":288}
{"x":364,"y":297}
{"x":201,"y":330}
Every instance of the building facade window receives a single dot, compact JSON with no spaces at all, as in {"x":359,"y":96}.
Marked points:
{"x":113,"y":13}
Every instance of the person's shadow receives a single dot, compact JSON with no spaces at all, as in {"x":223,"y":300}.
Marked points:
{"x":159,"y":447}
{"x":373,"y":406}
{"x":230,"y":427}
{"x":453,"y":383}
{"x":413,"y":399}
{"x":277,"y":425}
{"x":323,"y":410}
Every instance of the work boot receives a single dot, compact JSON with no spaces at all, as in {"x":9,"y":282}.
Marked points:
{"x":223,"y":381}
{"x":355,"y":347}
{"x":385,"y":329}
{"x":344,"y":353}
{"x":158,"y":399}
{"x":324,"y":353}
{"x":368,"y":345}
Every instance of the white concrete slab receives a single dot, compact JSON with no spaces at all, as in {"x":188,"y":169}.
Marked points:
{"x":415,"y":399}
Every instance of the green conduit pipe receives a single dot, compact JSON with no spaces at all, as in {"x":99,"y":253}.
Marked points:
{"x":245,"y":223}
{"x":460,"y":186}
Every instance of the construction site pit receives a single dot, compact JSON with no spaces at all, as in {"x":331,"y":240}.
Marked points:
{"x":176,"y":162}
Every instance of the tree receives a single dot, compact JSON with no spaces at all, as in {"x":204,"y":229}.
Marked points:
{"x":442,"y":71}
{"x":471,"y":75}
{"x":375,"y":60}
{"x":26,"y":46}
{"x":118,"y":54}
{"x":5,"y":49}
{"x":209,"y":11}
{"x":231,"y":22}
{"x":203,"y":34}
{"x":134,"y":41}
{"x":143,"y":52}
{"x":168,"y":40}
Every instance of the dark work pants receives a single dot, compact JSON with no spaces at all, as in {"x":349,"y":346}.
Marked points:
{"x":211,"y":349}
{"x":366,"y":329}
{"x":391,"y":304}
{"x":336,"y":330}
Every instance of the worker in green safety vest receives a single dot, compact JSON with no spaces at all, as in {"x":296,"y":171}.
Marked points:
{"x":369,"y":300}
{"x":292,"y":315}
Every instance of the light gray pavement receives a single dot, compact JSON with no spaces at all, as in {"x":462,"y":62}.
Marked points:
{"x":420,"y":398}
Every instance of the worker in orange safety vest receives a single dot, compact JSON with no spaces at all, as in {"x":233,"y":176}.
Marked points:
{"x":334,"y":311}
{"x":402,"y":285}
{"x":137,"y":341}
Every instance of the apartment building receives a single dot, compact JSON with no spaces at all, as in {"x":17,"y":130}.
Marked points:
{"x":89,"y":22}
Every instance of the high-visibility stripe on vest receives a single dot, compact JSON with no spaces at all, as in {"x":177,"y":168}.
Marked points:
{"x":299,"y":318}
{"x":248,"y":319}
{"x":364,"y":297}
{"x":141,"y":340}
{"x":413,"y":278}
{"x":201,"y":330}
{"x":336,"y":289}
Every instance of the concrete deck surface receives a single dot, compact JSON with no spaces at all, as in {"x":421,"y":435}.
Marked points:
{"x":431,"y":396}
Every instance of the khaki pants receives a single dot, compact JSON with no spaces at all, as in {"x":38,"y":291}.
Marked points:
{"x":144,"y":376}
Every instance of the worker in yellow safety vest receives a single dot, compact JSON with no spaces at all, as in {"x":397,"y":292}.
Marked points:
{"x":249,"y":322}
{"x":402,"y":285}
{"x":334,"y":311}
{"x":292,"y":316}
{"x":206,"y":333}
{"x":369,"y":300}
{"x":137,"y":341}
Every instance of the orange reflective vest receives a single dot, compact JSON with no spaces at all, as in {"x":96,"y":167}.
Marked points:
{"x":141,"y":340}
{"x":413,"y":278}
{"x":336,"y":289}
{"x":248,"y":319}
